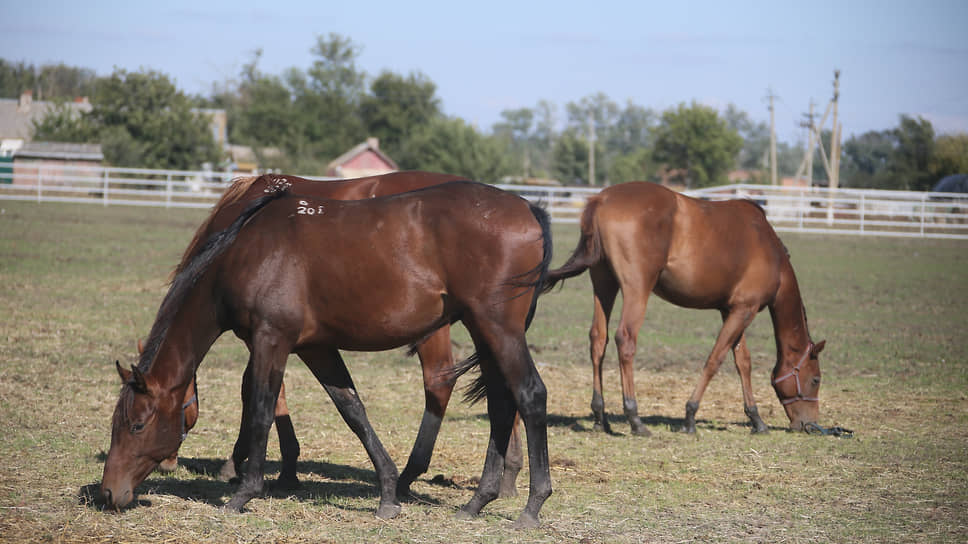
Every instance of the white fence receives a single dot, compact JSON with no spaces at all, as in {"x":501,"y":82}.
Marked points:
{"x":844,"y":211}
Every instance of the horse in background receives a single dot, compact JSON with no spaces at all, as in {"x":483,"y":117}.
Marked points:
{"x":643,"y":238}
{"x":295,"y":274}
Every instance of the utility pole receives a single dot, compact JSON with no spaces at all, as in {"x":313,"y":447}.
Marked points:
{"x":808,"y":159}
{"x":771,"y":96}
{"x":834,"y":148}
{"x":591,"y":150}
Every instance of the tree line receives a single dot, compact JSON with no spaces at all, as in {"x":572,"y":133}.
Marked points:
{"x":312,"y":115}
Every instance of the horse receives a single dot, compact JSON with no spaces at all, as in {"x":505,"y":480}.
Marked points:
{"x":302,"y":275}
{"x":641,"y":237}
{"x":434,"y":353}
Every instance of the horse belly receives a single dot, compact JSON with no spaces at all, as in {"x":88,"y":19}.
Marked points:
{"x":373,"y":320}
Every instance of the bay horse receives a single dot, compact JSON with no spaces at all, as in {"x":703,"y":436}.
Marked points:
{"x":434,"y":353}
{"x":640,"y":238}
{"x":296,"y":274}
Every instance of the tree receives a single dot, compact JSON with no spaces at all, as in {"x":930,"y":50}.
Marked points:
{"x":398,"y":105}
{"x":571,"y":159}
{"x":950,"y":156}
{"x":453,"y":146}
{"x":695,"y":140}
{"x":327,"y":99}
{"x":143,"y":120}
{"x":48,"y":82}
{"x":910,"y":163}
{"x":866,"y":159}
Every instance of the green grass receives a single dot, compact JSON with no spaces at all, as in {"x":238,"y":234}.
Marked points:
{"x":82,"y":283}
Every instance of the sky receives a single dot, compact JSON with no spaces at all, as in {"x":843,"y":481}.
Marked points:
{"x":895,"y":57}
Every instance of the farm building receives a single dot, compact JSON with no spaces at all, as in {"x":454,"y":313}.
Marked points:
{"x":365,"y":159}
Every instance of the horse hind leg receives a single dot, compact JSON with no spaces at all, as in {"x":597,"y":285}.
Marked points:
{"x":605,"y":288}
{"x":741,"y":356}
{"x":626,"y":340}
{"x":288,"y":444}
{"x":435,"y":359}
{"x":735,"y":322}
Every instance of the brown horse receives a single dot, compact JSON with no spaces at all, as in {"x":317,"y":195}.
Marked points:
{"x":641,"y":238}
{"x":434,"y":353}
{"x":311,"y":277}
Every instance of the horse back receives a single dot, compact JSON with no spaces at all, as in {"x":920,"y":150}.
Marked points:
{"x":696,"y":253}
{"x":417,"y":260}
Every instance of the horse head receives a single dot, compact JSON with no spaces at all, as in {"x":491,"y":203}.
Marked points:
{"x":796,"y":380}
{"x":148,"y":426}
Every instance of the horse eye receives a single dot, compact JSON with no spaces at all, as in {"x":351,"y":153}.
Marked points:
{"x":137,"y":427}
{"x":816,"y":380}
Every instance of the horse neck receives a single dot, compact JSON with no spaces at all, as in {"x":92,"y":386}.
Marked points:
{"x":185,"y":339}
{"x":789,"y":318}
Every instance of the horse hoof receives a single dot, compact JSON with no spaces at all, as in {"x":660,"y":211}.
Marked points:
{"x":526,"y":521}
{"x":287,"y":484}
{"x":508,"y":492}
{"x":641,"y":431}
{"x":387,"y":511}
{"x":687,"y":430}
{"x":234,"y":506}
{"x":760,"y":430}
{"x":227,"y":472}
{"x":464,"y":515}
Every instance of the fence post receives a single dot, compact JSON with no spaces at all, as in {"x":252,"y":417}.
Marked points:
{"x":40,"y":181}
{"x":168,"y":192}
{"x":924,"y":198}
{"x":104,"y":199}
{"x":862,"y":206}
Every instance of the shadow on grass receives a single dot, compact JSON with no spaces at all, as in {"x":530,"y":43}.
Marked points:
{"x":342,"y":482}
{"x":586,"y":424}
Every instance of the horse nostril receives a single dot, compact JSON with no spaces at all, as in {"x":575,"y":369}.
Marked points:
{"x":107,"y":496}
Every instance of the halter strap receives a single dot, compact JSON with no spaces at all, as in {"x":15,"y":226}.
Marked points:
{"x":189,"y":402}
{"x":796,"y":372}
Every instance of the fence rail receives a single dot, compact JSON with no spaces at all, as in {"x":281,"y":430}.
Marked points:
{"x":789,"y":209}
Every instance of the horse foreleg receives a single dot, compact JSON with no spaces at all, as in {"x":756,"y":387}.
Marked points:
{"x":741,"y":356}
{"x":734,"y":323}
{"x":513,"y":462}
{"x":435,"y":359}
{"x":331,"y":372}
{"x":267,"y":365}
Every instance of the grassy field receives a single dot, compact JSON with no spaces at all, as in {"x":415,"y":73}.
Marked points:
{"x":81,"y":283}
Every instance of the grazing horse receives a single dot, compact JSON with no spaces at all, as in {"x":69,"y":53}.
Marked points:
{"x":296,"y":274}
{"x":641,"y":238}
{"x":434,"y":352}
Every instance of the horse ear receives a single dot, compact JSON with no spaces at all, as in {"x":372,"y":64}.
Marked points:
{"x":141,"y":347}
{"x":817,"y":348}
{"x":125,"y":374}
{"x":138,"y":380}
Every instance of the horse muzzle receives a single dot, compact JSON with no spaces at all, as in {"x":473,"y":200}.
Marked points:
{"x":116,"y":497}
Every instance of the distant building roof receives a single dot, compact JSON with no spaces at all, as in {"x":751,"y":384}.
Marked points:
{"x":17,"y":115}
{"x":955,"y":183}
{"x":60,"y":151}
{"x":364,"y":159}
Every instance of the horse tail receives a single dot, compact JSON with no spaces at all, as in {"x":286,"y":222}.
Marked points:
{"x":587,"y":253}
{"x":544,"y":220}
{"x":231,"y":195}
{"x":477,"y":389}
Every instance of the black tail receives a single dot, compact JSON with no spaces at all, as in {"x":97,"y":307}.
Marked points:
{"x":477,"y":389}
{"x":587,"y":253}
